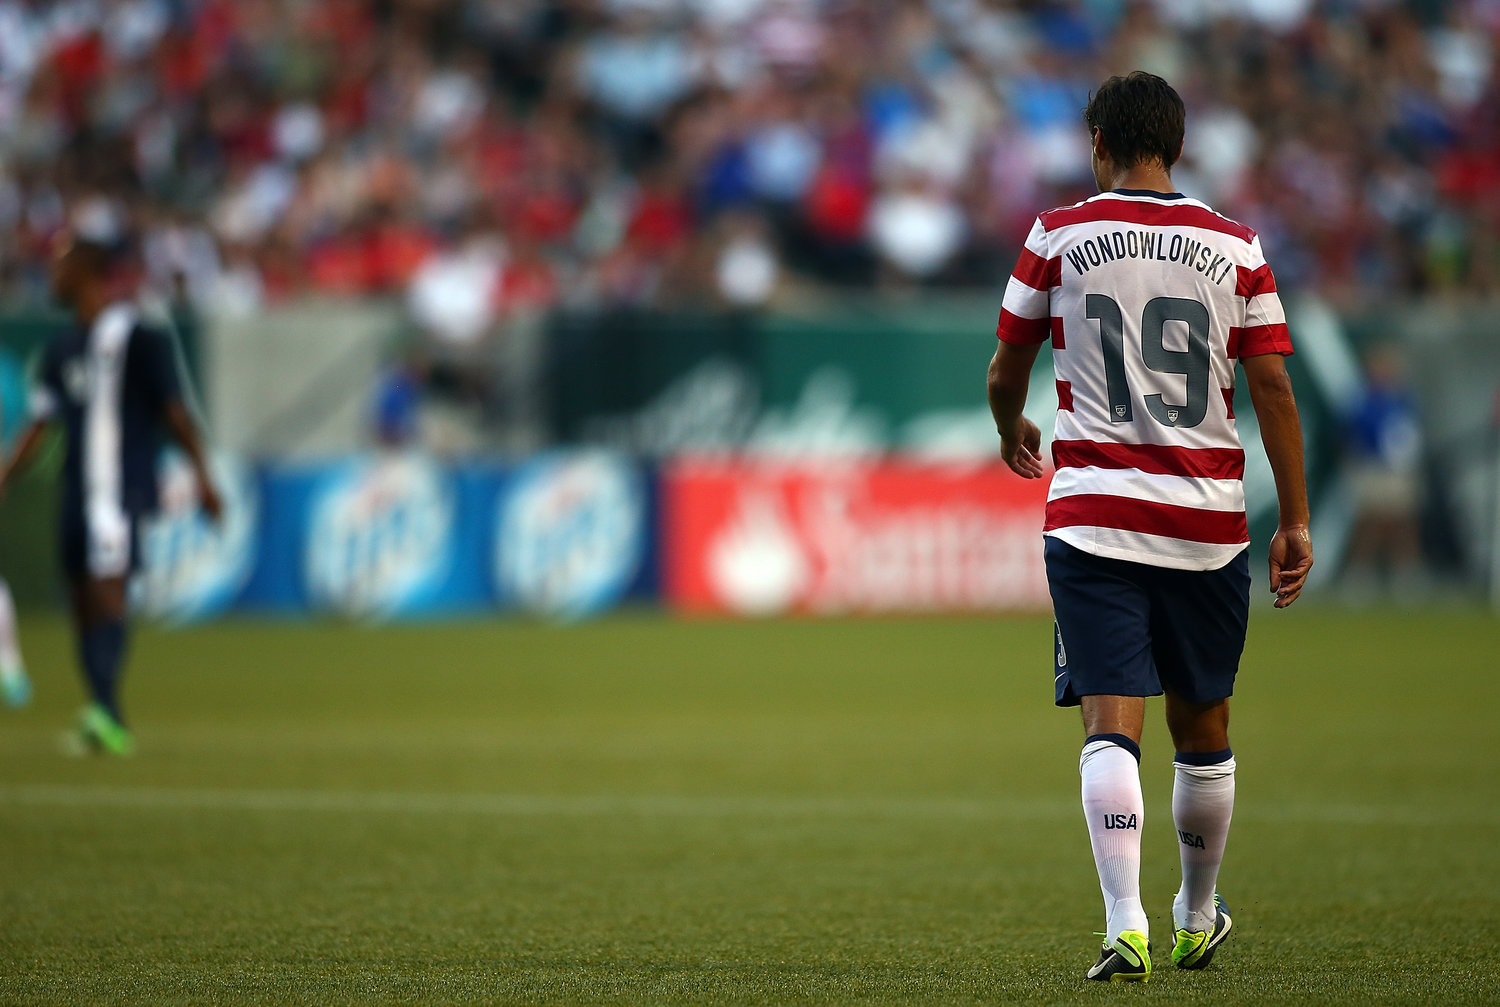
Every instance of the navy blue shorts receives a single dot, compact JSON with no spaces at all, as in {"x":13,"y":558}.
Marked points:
{"x":1128,"y":629}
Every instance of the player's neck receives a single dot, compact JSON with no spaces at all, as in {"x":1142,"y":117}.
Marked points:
{"x":1149,"y":177}
{"x":89,"y":305}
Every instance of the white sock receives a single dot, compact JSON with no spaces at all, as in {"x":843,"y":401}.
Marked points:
{"x":1114,"y":810}
{"x":1202,"y":804}
{"x":11,"y":665}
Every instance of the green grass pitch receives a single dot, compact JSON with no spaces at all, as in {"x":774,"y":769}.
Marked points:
{"x":646,"y":811}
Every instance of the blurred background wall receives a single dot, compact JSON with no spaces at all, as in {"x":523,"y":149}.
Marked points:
{"x":413,"y":249}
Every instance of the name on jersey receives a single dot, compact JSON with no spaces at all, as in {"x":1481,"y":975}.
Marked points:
{"x":1189,"y":252}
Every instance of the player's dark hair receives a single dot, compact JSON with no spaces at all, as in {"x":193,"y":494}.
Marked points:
{"x":1141,"y":117}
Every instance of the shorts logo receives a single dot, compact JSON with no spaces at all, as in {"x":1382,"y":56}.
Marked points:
{"x":1172,"y":415}
{"x":1120,"y":411}
{"x":1120,"y":822}
{"x":1188,"y":839}
{"x":1062,"y":652}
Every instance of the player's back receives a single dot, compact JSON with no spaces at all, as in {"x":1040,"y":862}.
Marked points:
{"x":1149,"y":299}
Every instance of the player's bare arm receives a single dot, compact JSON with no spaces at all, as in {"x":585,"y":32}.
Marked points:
{"x":185,"y":433}
{"x":1009,"y":379}
{"x":23,"y":453}
{"x":1281,"y":431}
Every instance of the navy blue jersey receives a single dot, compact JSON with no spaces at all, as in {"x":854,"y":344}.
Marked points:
{"x":109,"y":385}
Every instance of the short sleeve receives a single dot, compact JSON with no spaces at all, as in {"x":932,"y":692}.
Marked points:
{"x":1026,"y":310}
{"x":1265,"y":329}
{"x":156,"y":361}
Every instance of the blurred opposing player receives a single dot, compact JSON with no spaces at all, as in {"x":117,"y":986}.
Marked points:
{"x":1149,"y":298}
{"x":15,"y":686}
{"x":111,"y":382}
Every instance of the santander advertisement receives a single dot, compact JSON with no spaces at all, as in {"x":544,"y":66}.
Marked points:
{"x":756,"y":538}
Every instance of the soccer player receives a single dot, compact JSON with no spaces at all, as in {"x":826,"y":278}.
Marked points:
{"x":15,"y":686}
{"x":112,"y":382}
{"x":1149,"y":298}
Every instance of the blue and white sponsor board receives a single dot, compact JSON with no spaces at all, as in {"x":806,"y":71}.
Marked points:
{"x":396,"y":536}
{"x":193,"y":568}
{"x":571,"y":533}
{"x":380,"y":537}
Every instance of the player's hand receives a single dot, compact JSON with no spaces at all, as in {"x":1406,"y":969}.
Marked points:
{"x":209,"y":499}
{"x":1022,"y":449}
{"x":1291,"y":559}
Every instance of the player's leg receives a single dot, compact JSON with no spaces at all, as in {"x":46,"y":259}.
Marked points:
{"x":98,"y":606}
{"x":1197,"y":728}
{"x":1202,"y":807}
{"x":82,"y":740}
{"x":103,"y":640}
{"x":1124,"y":716}
{"x":1113,"y":806}
{"x":98,"y":553}
{"x":103,"y":645}
{"x":1199,"y":636}
{"x":14,"y":685}
{"x":1103,"y":664}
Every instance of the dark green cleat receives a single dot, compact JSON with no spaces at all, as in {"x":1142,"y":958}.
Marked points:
{"x":100,"y":733}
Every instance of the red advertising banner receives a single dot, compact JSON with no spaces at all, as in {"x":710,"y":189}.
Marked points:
{"x":756,"y":538}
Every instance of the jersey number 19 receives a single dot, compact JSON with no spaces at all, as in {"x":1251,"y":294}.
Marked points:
{"x":1191,"y":363}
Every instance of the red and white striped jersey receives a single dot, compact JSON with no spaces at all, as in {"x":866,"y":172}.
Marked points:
{"x":1148,"y":298}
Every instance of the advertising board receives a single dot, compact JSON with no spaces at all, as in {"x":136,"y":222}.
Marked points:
{"x":761,"y":539}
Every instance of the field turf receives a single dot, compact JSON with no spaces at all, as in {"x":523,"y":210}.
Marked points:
{"x":643,"y":811}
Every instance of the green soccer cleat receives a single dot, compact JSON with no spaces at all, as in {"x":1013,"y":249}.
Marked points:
{"x":102,"y":733}
{"x":1195,"y":949}
{"x":1127,"y":960}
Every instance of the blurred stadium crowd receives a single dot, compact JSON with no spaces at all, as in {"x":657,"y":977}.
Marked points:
{"x":485,"y":158}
